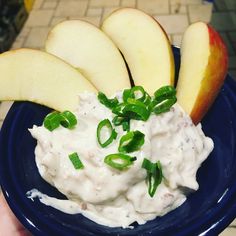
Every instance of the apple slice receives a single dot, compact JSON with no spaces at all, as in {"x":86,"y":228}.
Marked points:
{"x":144,"y":45}
{"x":204,"y":63}
{"x":36,"y":76}
{"x":87,"y":48}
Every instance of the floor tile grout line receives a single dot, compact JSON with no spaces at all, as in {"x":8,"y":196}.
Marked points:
{"x":102,"y":16}
{"x":54,"y":12}
{"x":169,"y":7}
{"x":87,"y":8}
{"x":230,"y":40}
{"x":26,"y":37}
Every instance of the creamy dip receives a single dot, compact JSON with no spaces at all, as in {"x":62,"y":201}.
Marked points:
{"x":109,"y":196}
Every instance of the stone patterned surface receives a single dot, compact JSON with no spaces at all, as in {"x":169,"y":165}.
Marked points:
{"x":36,"y":42}
{"x":71,"y":8}
{"x":108,"y":10}
{"x":175,"y":15}
{"x":104,"y":3}
{"x":49,"y":4}
{"x":173,"y":24}
{"x":154,"y":6}
{"x":40,"y":17}
{"x":205,"y":15}
{"x":224,"y":20}
{"x":5,"y":106}
{"x":128,"y":3}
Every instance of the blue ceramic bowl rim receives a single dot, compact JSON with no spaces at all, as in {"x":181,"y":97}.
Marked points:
{"x":217,"y":224}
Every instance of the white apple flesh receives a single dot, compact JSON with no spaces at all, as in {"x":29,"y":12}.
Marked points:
{"x":36,"y":76}
{"x":88,"y":49}
{"x":144,"y":45}
{"x":204,"y":63}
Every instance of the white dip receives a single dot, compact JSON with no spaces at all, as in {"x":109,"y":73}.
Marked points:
{"x":118,"y":198}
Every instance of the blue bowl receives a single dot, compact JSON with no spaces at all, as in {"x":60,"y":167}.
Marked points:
{"x":207,"y":211}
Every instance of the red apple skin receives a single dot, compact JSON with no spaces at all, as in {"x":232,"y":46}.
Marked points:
{"x":214,"y":76}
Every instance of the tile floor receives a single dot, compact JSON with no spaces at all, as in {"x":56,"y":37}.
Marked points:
{"x":224,"y":21}
{"x":174,"y":15}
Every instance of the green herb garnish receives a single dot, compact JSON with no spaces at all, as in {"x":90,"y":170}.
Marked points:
{"x":132,"y":141}
{"x":52,"y":121}
{"x":119,"y":161}
{"x":109,"y":103}
{"x":102,"y":124}
{"x":164,"y":99}
{"x":154,"y":175}
{"x":68,"y":119}
{"x":76,"y":161}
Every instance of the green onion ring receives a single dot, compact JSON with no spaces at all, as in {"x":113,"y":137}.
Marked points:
{"x":164,"y":106}
{"x":118,"y":110}
{"x":125,"y":159}
{"x":126,"y":95}
{"x":136,"y":110}
{"x":164,"y":93}
{"x":132,"y":141}
{"x":68,"y":119}
{"x":113,"y":133}
{"x":110,"y":103}
{"x":130,"y":93}
{"x":139,"y":89}
{"x":52,"y":121}
{"x":119,"y":120}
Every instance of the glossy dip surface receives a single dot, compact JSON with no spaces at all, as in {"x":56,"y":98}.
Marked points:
{"x":118,"y":198}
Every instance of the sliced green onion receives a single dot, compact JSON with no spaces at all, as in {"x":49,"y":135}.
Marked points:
{"x":109,"y":103}
{"x":118,"y":110}
{"x":119,"y":120}
{"x":126,"y":94}
{"x":148,"y":102}
{"x":136,"y":110}
{"x":68,"y":119}
{"x":134,"y":93}
{"x":164,"y":92}
{"x":164,"y":106}
{"x":113,"y":134}
{"x":52,"y":121}
{"x":154,"y":175}
{"x":74,"y":158}
{"x":135,"y":102}
{"x":132,"y":141}
{"x":126,"y":125}
{"x":138,"y":89}
{"x":164,"y":99}
{"x":119,"y":161}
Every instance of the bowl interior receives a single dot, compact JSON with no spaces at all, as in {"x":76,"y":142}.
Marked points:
{"x":203,"y":209}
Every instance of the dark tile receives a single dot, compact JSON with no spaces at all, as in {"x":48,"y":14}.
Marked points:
{"x":223,"y":21}
{"x":220,"y":5}
{"x":232,"y":37}
{"x":233,"y":74}
{"x":233,"y":16}
{"x":232,"y":62}
{"x":214,"y":8}
{"x":231,"y":50}
{"x":230,"y":4}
